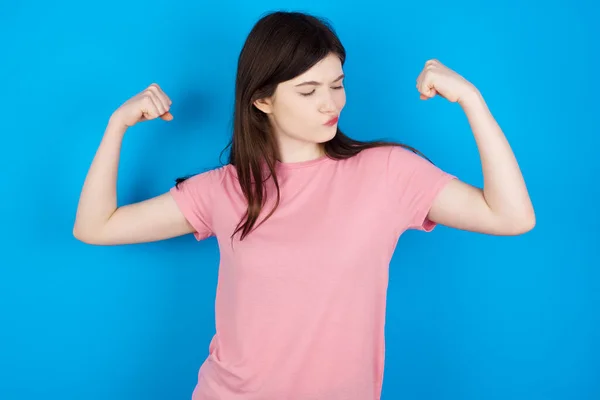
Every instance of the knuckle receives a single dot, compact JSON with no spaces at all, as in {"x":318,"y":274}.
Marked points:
{"x":148,"y":100}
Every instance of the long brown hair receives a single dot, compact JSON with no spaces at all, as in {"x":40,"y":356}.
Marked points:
{"x":280,"y":46}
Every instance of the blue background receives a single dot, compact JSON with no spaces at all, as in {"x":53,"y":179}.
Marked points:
{"x":470,"y":316}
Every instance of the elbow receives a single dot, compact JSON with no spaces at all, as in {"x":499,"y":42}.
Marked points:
{"x":529,"y":219}
{"x":84,"y":235}
{"x":522,"y":224}
{"x":79,"y":235}
{"x":531,"y":222}
{"x":527,"y":225}
{"x":94,"y":235}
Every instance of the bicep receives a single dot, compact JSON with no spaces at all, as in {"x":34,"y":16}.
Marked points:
{"x":150,"y":220}
{"x":463,"y":206}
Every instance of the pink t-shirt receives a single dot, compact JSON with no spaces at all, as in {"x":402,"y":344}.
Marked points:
{"x":300,"y":302}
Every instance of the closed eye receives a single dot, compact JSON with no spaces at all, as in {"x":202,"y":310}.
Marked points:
{"x":310,"y":93}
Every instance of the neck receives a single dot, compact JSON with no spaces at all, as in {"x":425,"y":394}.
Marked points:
{"x":300,"y":152}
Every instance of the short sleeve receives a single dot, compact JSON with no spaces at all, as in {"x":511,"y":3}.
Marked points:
{"x":414,"y":183}
{"x":195,"y":198}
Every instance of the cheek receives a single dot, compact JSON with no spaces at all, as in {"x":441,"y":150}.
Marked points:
{"x":302,"y":111}
{"x":340,"y":99}
{"x":286,"y":111}
{"x":292,"y":108}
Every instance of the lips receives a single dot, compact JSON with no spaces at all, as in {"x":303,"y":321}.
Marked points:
{"x":332,"y":121}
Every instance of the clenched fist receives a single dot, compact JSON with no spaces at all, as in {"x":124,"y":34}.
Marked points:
{"x":436,"y":78}
{"x":149,"y":104}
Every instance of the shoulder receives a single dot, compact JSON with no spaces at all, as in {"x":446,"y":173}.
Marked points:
{"x":212,"y":174}
{"x":210,"y":179}
{"x":374,"y":154}
{"x":372,"y":157}
{"x":407,"y":157}
{"x":393,"y":156}
{"x":401,"y":165}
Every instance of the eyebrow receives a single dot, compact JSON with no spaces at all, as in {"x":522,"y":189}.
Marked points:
{"x":318,"y":83}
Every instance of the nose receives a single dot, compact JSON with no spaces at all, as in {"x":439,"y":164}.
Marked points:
{"x":328,"y":105}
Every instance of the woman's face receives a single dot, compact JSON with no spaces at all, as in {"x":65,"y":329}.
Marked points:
{"x":301,"y":108}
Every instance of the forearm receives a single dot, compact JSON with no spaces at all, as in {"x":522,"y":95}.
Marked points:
{"x":504,"y":187}
{"x":98,"y":199}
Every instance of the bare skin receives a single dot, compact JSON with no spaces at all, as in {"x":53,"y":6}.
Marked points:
{"x":98,"y":220}
{"x":298,"y":111}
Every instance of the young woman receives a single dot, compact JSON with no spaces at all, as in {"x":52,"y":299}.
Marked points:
{"x":306,"y":218}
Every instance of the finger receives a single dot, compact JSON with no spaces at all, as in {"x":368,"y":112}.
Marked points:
{"x":161,"y":95}
{"x":149,"y":107}
{"x":166,"y":102}
{"x":428,"y":94}
{"x":165,"y":98}
{"x":167,"y":116}
{"x":152,"y":90}
{"x":158,"y":106}
{"x":421,"y":84}
{"x":427,"y":86}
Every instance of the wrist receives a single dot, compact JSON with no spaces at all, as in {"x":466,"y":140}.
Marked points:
{"x":116,"y":126}
{"x":472,"y":98}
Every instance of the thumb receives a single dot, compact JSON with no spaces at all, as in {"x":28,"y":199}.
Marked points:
{"x":428,"y":94}
{"x":167,"y":116}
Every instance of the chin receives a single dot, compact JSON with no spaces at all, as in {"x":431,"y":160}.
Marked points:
{"x":328,"y":134}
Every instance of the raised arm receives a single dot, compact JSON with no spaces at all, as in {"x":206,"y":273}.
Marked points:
{"x":502,"y":206}
{"x":98,"y":219}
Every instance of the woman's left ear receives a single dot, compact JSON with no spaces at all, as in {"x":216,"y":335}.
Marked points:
{"x":263,"y":105}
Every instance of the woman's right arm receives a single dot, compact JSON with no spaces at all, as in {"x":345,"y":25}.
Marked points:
{"x":99,"y":220}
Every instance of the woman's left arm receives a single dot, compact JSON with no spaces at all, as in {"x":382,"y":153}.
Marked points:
{"x":503,"y":206}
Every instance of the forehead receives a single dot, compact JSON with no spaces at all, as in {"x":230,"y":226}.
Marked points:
{"x":325,"y":70}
